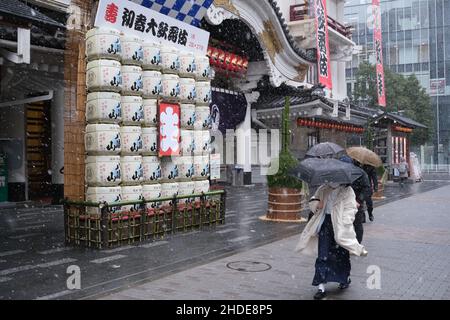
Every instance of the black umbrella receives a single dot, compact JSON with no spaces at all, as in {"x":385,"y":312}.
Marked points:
{"x":325,"y":150}
{"x":317,"y":171}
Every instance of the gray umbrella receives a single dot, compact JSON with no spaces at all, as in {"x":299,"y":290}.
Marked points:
{"x":325,"y":150}
{"x":317,"y":171}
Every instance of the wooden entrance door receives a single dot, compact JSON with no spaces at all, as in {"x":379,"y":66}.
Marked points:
{"x":38,"y":131}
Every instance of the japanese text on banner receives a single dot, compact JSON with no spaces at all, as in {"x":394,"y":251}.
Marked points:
{"x":133,"y":19}
{"x":323,"y":49}
{"x":377,"y":42}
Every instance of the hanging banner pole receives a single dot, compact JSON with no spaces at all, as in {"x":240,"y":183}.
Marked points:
{"x":377,"y":42}
{"x":323,"y":49}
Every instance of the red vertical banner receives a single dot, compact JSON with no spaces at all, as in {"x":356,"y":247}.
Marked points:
{"x":323,"y":49}
{"x":169,"y":129}
{"x":378,"y":46}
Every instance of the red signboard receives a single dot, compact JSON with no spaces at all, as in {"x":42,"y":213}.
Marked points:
{"x":323,"y":49}
{"x":377,"y":42}
{"x":169,"y":129}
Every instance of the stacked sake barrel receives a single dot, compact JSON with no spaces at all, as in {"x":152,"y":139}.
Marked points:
{"x":180,"y":70}
{"x":115,"y":115}
{"x":127,"y":79}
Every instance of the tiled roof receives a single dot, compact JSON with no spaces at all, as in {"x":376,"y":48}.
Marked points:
{"x":20,"y":9}
{"x":402,"y":120}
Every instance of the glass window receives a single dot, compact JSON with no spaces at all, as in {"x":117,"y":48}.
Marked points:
{"x":415,"y":15}
{"x":393,"y":55}
{"x":439,"y":12}
{"x":392,"y":20}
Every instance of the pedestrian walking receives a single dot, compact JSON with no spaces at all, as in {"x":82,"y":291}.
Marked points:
{"x":373,"y":179}
{"x":403,"y":169}
{"x":330,"y":235}
{"x":363,"y":194}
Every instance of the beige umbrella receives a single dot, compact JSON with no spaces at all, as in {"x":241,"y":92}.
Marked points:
{"x":364,"y":156}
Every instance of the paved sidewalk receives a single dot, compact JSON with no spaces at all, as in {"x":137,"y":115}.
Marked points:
{"x":409,"y":241}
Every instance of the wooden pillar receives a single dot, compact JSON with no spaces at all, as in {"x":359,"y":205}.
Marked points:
{"x":80,"y":20}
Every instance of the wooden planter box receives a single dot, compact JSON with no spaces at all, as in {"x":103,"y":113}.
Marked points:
{"x":284,"y":204}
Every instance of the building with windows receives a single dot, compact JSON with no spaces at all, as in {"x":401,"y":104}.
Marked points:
{"x":416,"y":40}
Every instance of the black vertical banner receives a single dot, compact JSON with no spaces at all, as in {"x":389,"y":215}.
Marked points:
{"x":227,"y":110}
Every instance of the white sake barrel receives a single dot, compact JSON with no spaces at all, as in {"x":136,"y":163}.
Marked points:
{"x":152,"y":169}
{"x":203,"y":69}
{"x":132,"y":83}
{"x":132,"y":51}
{"x":185,"y":167}
{"x":132,"y":110}
{"x":203,"y":92}
{"x":202,"y":118}
{"x":132,"y":171}
{"x":103,"y":75}
{"x":187,"y":64}
{"x":152,"y":55}
{"x":168,"y":190}
{"x":169,"y":169}
{"x":101,"y":171}
{"x":198,"y":142}
{"x":131,"y":193}
{"x":170,"y":87}
{"x":186,"y":188}
{"x":150,"y":141}
{"x":103,"y":43}
{"x":150,"y":192}
{"x":152,"y":83}
{"x":201,"y":167}
{"x":103,"y":107}
{"x":103,"y":194}
{"x":187,"y":116}
{"x":170,"y":60}
{"x":102,"y":139}
{"x":187,"y":142}
{"x":132,"y":142}
{"x":201,"y":186}
{"x":187,"y":90}
{"x":150,"y":112}
{"x":206,"y":142}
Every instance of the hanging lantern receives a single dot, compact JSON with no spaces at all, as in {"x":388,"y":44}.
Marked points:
{"x":228,"y":65}
{"x":221,"y":58}
{"x":215,"y":56}
{"x":245,"y":64}
{"x":234,"y":66}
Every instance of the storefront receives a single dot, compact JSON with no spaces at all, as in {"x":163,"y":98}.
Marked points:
{"x":392,"y":138}
{"x":314,"y":119}
{"x":32,"y":100}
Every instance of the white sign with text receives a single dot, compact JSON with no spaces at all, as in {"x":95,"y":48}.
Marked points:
{"x":214,"y":165}
{"x":133,"y":19}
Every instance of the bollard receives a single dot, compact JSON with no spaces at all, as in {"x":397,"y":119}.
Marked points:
{"x":174,"y":212}
{"x":104,"y":224}
{"x":223,"y":198}
{"x":66,"y":222}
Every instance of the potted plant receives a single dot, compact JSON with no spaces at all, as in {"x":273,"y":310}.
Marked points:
{"x":284,"y":190}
